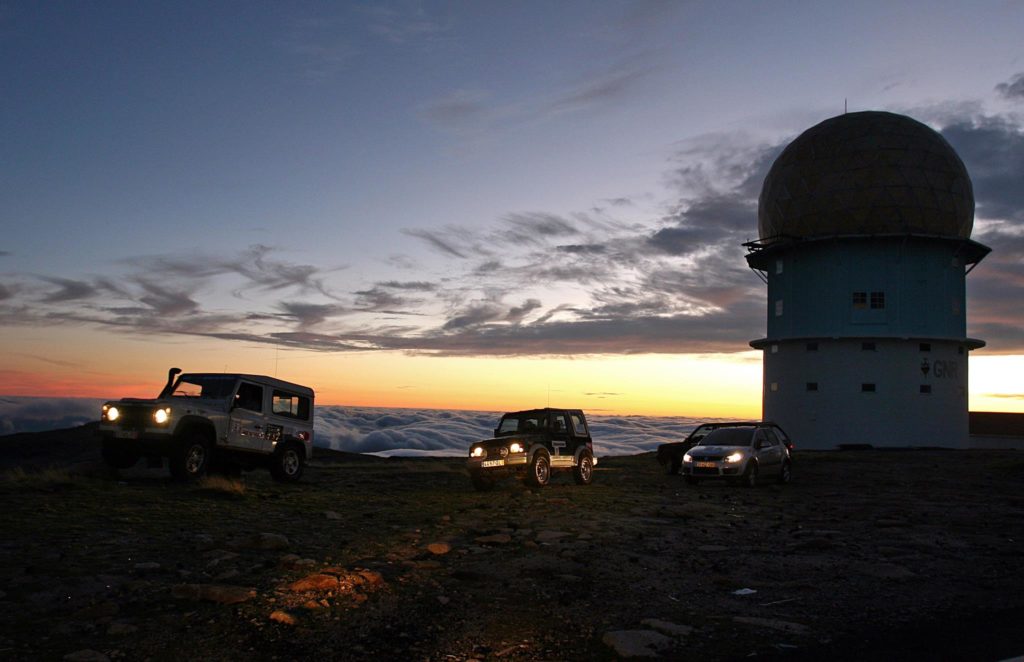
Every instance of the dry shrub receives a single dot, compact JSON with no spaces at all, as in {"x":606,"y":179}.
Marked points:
{"x":44,"y":479}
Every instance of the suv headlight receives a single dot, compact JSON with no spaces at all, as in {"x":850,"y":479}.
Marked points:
{"x":734,"y":458}
{"x":161,"y":416}
{"x":515,"y":447}
{"x":476,"y":451}
{"x":687,"y":458}
{"x":111,"y":413}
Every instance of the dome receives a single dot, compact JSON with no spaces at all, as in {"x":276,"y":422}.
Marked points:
{"x":867,"y":173}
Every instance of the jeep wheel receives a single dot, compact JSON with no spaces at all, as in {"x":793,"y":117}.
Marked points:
{"x":481,"y":482}
{"x":539,"y":472}
{"x":749,"y":478}
{"x":118,"y":457}
{"x":191,"y":459}
{"x":583,"y":472}
{"x":287,"y":463}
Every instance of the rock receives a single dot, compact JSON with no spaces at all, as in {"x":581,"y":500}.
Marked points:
{"x":665,"y":627}
{"x":773,"y":624}
{"x":148,"y":566}
{"x":496,"y":539}
{"x":636,"y":643}
{"x":330,"y":514}
{"x":203,"y":541}
{"x":314,"y":582}
{"x":551,"y":536}
{"x":283,"y":617}
{"x":439,"y":548}
{"x":218,"y":556}
{"x":220,"y":593}
{"x":443,"y":599}
{"x":371,"y":578}
{"x":86,"y":655}
{"x":270,"y":541}
{"x":118,"y":629}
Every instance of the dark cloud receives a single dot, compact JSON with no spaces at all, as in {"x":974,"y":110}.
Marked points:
{"x":167,"y":301}
{"x":993,"y":151}
{"x":516,"y":314}
{"x":6,"y":292}
{"x":1014,"y":89}
{"x":69,"y":290}
{"x":536,"y":227}
{"x":448,"y":245}
{"x":310,"y":314}
{"x":474,"y":315}
{"x":602,"y":88}
{"x":417,"y":286}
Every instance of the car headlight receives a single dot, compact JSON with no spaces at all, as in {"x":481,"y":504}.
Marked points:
{"x":161,"y":416}
{"x":111,"y":413}
{"x":687,"y":458}
{"x":734,"y":458}
{"x":477,"y":451}
{"x":515,"y":447}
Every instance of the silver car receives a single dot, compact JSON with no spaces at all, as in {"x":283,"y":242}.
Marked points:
{"x":741,"y":454}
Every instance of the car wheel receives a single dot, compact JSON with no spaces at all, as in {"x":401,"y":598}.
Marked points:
{"x":539,"y":472}
{"x":191,"y":459}
{"x":583,"y":472}
{"x":786,"y":473}
{"x":287,"y":463}
{"x":481,"y":482}
{"x":118,"y":457}
{"x":750,"y":475}
{"x":690,"y":480}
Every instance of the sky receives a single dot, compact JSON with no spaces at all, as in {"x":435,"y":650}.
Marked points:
{"x":468,"y":205}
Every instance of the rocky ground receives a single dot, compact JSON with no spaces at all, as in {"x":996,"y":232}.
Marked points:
{"x":894,"y":554}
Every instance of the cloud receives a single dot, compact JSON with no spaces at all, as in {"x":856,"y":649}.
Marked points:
{"x":69,"y":290}
{"x":603,"y":88}
{"x":1014,"y":89}
{"x":446,"y":245}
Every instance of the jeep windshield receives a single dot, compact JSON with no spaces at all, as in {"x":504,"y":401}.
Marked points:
{"x":206,"y":387}
{"x":523,"y":424}
{"x":728,"y":437}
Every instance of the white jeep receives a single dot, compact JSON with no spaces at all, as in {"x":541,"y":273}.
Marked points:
{"x":215,"y":422}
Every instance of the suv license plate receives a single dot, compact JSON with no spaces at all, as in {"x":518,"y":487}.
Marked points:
{"x":492,"y":463}
{"x":127,"y":434}
{"x":705,"y":465}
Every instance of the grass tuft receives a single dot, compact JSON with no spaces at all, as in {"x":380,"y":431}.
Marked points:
{"x":222,"y":485}
{"x":46,"y":479}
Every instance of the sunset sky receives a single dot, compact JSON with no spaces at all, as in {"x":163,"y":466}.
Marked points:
{"x":467,"y":205}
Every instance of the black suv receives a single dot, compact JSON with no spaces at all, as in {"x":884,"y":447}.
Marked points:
{"x":533,"y":443}
{"x":671,"y":455}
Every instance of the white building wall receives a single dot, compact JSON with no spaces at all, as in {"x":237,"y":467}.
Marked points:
{"x":818,"y":390}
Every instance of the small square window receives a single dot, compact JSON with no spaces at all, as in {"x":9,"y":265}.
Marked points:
{"x":877,"y":300}
{"x":778,"y":308}
{"x":812,"y":386}
{"x":860,"y":300}
{"x":925,"y":347}
{"x":775,"y":386}
{"x":778,"y":266}
{"x":867,"y":388}
{"x":868,"y":347}
{"x":926,"y":388}
{"x":775,"y":349}
{"x":812,"y":347}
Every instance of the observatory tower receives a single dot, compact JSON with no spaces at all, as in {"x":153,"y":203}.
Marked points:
{"x":864,"y":223}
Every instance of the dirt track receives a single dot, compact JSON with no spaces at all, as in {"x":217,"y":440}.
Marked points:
{"x":865,"y":553}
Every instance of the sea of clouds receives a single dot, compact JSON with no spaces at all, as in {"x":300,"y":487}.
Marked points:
{"x":405,"y":432}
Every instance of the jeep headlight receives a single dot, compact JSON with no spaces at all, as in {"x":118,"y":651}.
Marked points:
{"x":161,"y":416}
{"x":687,"y":458}
{"x":477,"y":451}
{"x":515,"y":447}
{"x":111,"y":413}
{"x":734,"y":458}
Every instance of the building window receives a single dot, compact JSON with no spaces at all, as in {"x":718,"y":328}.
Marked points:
{"x":775,"y":386}
{"x":778,"y":308}
{"x":860,"y":300}
{"x":778,"y":266}
{"x":877,"y":300}
{"x":925,"y":347}
{"x":867,"y":388}
{"x":775,"y":349}
{"x":812,"y":347}
{"x":926,"y":388}
{"x":867,"y":347}
{"x":812,"y":386}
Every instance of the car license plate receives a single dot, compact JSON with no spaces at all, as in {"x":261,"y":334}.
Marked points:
{"x":705,"y":465}
{"x":127,"y":434}
{"x":492,"y":463}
